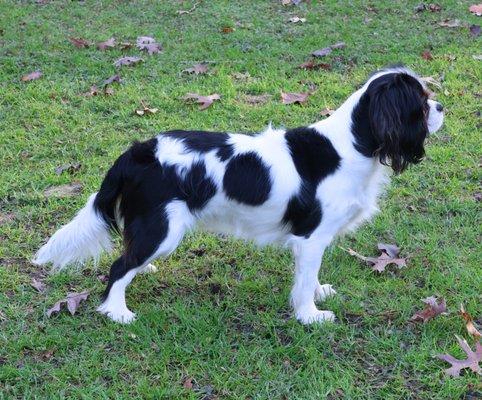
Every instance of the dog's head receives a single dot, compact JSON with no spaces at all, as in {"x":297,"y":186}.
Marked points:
{"x":394,"y":117}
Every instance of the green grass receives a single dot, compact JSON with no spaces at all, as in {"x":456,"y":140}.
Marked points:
{"x":222,"y":318}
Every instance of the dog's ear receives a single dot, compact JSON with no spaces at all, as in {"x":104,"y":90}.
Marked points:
{"x":397,"y":121}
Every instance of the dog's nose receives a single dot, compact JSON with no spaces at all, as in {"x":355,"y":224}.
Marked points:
{"x":439,"y":107}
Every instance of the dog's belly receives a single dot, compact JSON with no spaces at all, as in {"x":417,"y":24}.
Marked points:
{"x":262,"y":224}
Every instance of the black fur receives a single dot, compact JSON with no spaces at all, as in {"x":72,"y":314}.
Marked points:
{"x":315,"y":158}
{"x":204,"y":142}
{"x":247,"y":179}
{"x":389,"y":121}
{"x":145,"y":187}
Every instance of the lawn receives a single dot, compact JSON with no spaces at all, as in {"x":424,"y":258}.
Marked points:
{"x":215,"y":322}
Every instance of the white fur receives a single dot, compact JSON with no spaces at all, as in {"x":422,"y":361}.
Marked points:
{"x":85,"y":237}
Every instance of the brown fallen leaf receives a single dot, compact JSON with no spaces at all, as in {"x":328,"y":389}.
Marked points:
{"x":32,"y":76}
{"x":469,"y":323}
{"x":313,"y":65}
{"x":38,"y":285}
{"x":203,"y":101}
{"x":427,"y":55}
{"x":148,"y":44}
{"x":106,"y":45}
{"x":474,"y":30}
{"x":326,"y":112}
{"x":93,"y":91}
{"x":72,"y":301}
{"x":434,"y":7}
{"x":296,"y":19}
{"x":383,"y":260}
{"x":472,"y":360}
{"x":187,"y":384}
{"x":432,"y":309}
{"x":125,"y":45}
{"x":146,"y":110}
{"x":67,"y":190}
{"x":294,"y":98}
{"x":227,"y":29}
{"x":327,"y":50}
{"x":182,"y":12}
{"x":79,"y":42}
{"x":257,"y":98}
{"x":197,"y":69}
{"x":127,"y":61}
{"x":112,"y":79}
{"x":476,"y":9}
{"x":70,"y":168}
{"x":450,"y":23}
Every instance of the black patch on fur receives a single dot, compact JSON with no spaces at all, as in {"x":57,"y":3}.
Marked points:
{"x":204,"y":142}
{"x":389,"y":121}
{"x":145,"y":187}
{"x":315,"y":158}
{"x":247,"y":179}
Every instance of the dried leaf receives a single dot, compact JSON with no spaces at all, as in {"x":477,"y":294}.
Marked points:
{"x":426,"y":55}
{"x":291,"y":98}
{"x":327,"y":50}
{"x":108,"y":44}
{"x":127,"y":61}
{"x":382,"y":261}
{"x":70,"y":168}
{"x":227,"y":29}
{"x":32,"y":76}
{"x":257,"y":99}
{"x":148,"y":44}
{"x":93,"y":91}
{"x":72,"y":301}
{"x":182,"y":12}
{"x":431,"y":310}
{"x":187,"y":384}
{"x":326,"y":112}
{"x":469,"y":323}
{"x":38,"y":285}
{"x":472,"y":360}
{"x":476,"y":9}
{"x":112,"y":79}
{"x":108,"y":91}
{"x":203,"y":101}
{"x":197,"y":69}
{"x":434,"y":7}
{"x":474,"y":30}
{"x":146,"y":110}
{"x":68,"y":190}
{"x":391,"y":249}
{"x":312,"y":65}
{"x":296,"y":19}
{"x":450,"y":23}
{"x":79,"y":42}
{"x":126,"y":45}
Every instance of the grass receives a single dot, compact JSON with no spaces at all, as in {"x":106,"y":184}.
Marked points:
{"x":217,"y":312}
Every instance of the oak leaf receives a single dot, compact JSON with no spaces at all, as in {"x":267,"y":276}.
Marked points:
{"x":38,"y":285}
{"x":469,"y":323}
{"x":32,"y":76}
{"x":291,"y":98}
{"x":472,"y":360}
{"x":390,"y":255}
{"x":432,"y":309}
{"x":72,"y":301}
{"x":127,"y":61}
{"x":203,"y":101}
{"x":197,"y":69}
{"x":476,"y":9}
{"x":148,"y":44}
{"x":106,"y":45}
{"x":79,"y":42}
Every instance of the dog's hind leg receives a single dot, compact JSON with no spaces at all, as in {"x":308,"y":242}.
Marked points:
{"x":146,"y":239}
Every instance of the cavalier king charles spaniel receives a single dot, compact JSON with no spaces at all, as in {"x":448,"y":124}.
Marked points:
{"x":298,"y":188}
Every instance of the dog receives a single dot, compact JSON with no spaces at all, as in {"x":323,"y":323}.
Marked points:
{"x":298,"y":188}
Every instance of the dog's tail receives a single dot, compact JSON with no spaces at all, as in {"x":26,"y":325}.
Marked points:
{"x":89,"y":233}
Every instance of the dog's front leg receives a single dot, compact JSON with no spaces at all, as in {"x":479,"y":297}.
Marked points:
{"x":308,"y":255}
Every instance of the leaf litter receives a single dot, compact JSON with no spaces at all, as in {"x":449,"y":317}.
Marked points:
{"x":72,"y":302}
{"x":389,"y":255}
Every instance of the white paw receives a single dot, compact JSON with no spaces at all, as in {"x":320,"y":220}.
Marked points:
{"x":324,"y":291}
{"x":121,"y":315}
{"x":314,"y":316}
{"x":149,"y":268}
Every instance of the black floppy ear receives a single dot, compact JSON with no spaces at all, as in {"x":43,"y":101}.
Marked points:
{"x":396,"y":115}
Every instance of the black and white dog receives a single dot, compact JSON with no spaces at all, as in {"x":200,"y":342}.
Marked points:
{"x":299,"y":188}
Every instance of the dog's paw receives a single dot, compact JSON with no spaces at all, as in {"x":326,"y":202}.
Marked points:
{"x":148,"y":269}
{"x":314,"y":316}
{"x":123,"y":316}
{"x":324,"y":291}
